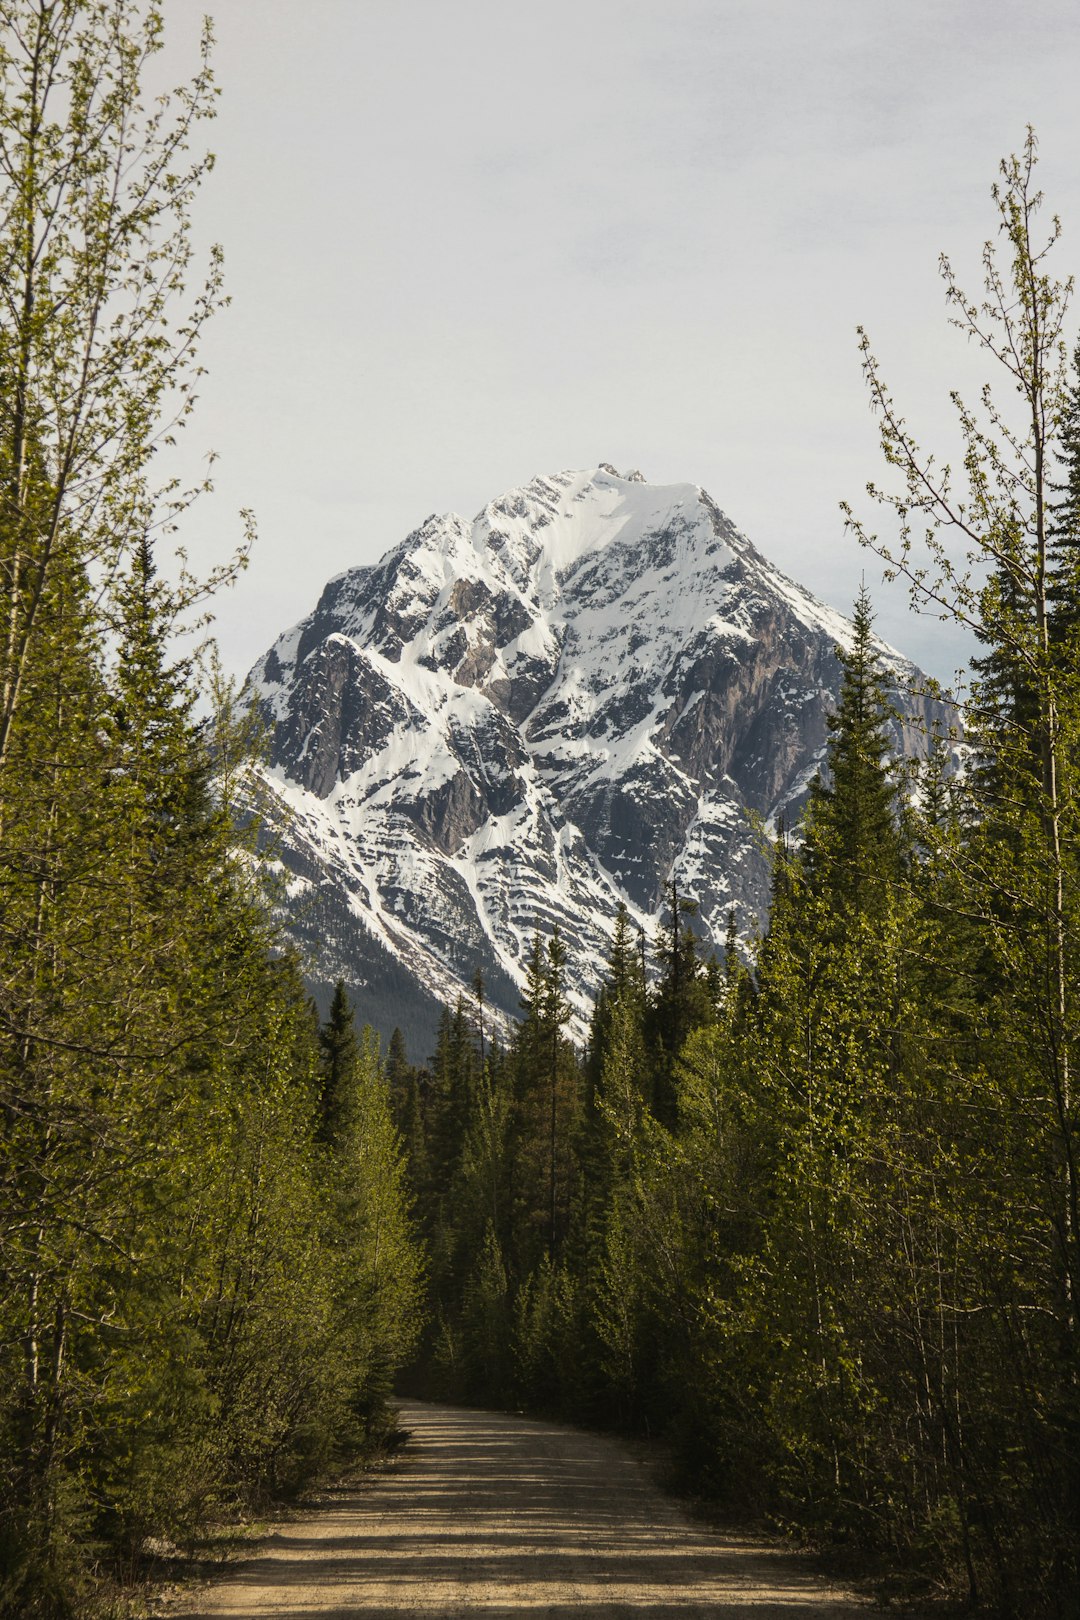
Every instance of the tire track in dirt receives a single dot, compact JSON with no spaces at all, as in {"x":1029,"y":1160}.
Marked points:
{"x":488,"y":1512}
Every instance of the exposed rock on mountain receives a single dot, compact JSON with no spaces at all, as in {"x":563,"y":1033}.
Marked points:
{"x":509,"y":724}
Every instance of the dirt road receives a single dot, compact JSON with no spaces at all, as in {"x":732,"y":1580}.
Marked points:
{"x":485,"y":1512}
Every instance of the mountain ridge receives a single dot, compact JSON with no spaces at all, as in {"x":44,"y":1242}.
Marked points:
{"x":594,"y":687}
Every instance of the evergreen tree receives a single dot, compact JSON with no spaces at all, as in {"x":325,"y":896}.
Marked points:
{"x":853,"y":834}
{"x":398,"y":1069}
{"x":378,"y":1279}
{"x":820,"y":1220}
{"x":783,"y":1104}
{"x":1063,"y":546}
{"x":680,"y":1003}
{"x":478,"y":991}
{"x":1013,"y":1179}
{"x":171,"y":1315}
{"x":615,"y":1068}
{"x":546,"y":1104}
{"x":338,"y":1052}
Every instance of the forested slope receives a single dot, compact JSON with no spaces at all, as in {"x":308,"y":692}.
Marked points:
{"x":207,"y":1275}
{"x":817,"y":1217}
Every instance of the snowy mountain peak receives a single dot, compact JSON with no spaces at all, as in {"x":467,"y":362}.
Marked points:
{"x":539,"y":532}
{"x":594,"y":687}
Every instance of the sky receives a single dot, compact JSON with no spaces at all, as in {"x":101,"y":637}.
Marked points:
{"x":470,"y":241}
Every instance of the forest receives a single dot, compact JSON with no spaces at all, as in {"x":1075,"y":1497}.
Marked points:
{"x":810,"y":1212}
{"x":208,"y":1273}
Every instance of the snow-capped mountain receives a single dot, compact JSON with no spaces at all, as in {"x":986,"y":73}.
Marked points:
{"x":594,"y":687}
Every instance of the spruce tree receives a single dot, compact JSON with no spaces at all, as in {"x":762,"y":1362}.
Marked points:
{"x":814,"y":1064}
{"x":338,"y":1050}
{"x":852,"y":831}
{"x":545,"y":1109}
{"x":398,"y":1068}
{"x":680,"y":1001}
{"x":617,"y":1026}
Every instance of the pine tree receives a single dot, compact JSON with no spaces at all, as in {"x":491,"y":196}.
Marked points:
{"x":681,"y":1000}
{"x":621,"y":986}
{"x":802,"y":1077}
{"x":398,"y":1068}
{"x":853,"y":837}
{"x":338,"y":1050}
{"x":545,"y":1110}
{"x":478,"y":992}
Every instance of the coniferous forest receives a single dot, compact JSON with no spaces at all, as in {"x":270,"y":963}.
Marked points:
{"x":812,"y":1212}
{"x":809,"y":1210}
{"x":207,"y":1268}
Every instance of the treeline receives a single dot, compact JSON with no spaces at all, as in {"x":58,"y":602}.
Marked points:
{"x":207,"y":1275}
{"x":817,"y":1217}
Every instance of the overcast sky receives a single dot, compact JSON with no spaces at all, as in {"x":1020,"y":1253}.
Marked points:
{"x":468,"y":241}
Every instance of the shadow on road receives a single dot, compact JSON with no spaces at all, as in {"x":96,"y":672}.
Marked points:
{"x":500,"y":1515}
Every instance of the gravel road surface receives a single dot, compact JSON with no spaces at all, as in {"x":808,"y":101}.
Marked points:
{"x":481,"y":1511}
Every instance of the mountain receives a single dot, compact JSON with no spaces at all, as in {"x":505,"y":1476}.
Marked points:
{"x":595,"y":687}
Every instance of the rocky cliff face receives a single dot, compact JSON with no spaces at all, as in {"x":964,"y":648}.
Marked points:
{"x":594,"y":687}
